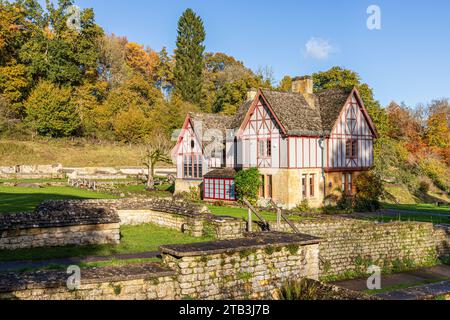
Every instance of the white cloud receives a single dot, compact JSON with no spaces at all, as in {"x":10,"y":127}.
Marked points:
{"x":318,"y":48}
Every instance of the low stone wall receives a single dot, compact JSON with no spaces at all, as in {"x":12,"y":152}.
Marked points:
{"x":442,"y":236}
{"x":251,"y":268}
{"x":178,"y":215}
{"x":135,"y":282}
{"x":59,"y":228}
{"x":353,"y":245}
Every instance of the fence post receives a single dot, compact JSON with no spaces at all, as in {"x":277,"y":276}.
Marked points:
{"x":278,"y":219}
{"x":249,"y":224}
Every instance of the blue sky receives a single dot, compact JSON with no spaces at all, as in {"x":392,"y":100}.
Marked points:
{"x":407,"y":60}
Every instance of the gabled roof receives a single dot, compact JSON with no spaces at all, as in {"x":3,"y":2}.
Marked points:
{"x":331,"y":102}
{"x":291,"y":110}
{"x":294,"y":113}
{"x":212,"y":121}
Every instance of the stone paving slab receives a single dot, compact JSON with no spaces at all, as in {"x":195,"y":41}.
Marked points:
{"x":435,"y":273}
{"x":250,"y":242}
{"x":425,"y":292}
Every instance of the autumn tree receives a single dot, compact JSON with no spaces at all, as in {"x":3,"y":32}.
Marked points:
{"x":285,"y":84}
{"x":189,"y":57}
{"x":141,"y":61}
{"x":226,"y":82}
{"x":438,"y":124}
{"x":404,"y":126}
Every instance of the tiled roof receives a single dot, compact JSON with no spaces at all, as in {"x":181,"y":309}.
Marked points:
{"x":331,"y":102}
{"x":224,"y":173}
{"x":293,"y":111}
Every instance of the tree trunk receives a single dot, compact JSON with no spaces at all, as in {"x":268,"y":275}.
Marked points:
{"x":150,"y":178}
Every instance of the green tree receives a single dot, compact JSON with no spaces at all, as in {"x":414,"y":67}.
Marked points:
{"x":56,"y":52}
{"x":50,"y":111}
{"x":189,"y":57}
{"x":164,"y":72}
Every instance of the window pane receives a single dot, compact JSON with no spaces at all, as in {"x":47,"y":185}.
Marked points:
{"x":200,"y":167}
{"x":304,"y":185}
{"x":195,"y":167}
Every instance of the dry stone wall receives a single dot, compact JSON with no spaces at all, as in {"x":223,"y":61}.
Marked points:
{"x":352,"y":245}
{"x":59,"y":227}
{"x":85,"y":222}
{"x":178,"y":215}
{"x":135,"y":282}
{"x":253,"y":267}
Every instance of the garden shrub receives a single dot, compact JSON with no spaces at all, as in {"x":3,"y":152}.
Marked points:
{"x":303,"y":206}
{"x":369,"y":189}
{"x":247,"y":185}
{"x":424,"y":187}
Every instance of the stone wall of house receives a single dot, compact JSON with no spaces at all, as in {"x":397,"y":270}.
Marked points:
{"x":252,"y":267}
{"x":248,"y":268}
{"x":353,"y":245}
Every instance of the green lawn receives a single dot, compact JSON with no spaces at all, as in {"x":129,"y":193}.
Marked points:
{"x":135,"y":239}
{"x":420,"y":217}
{"x":17,"y":199}
{"x":32,"y":180}
{"x":243,"y":213}
{"x":419,"y":208}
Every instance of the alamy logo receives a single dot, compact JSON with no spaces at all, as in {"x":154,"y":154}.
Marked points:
{"x":374,"y":20}
{"x":374,"y":281}
{"x":74,"y":18}
{"x":74,"y":280}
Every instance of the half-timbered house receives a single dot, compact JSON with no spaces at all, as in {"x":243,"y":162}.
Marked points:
{"x":305,"y":145}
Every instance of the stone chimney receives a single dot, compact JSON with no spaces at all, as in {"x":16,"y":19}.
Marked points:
{"x":251,"y":94}
{"x":305,"y":86}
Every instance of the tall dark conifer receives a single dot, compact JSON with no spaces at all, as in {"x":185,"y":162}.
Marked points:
{"x":189,"y":57}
